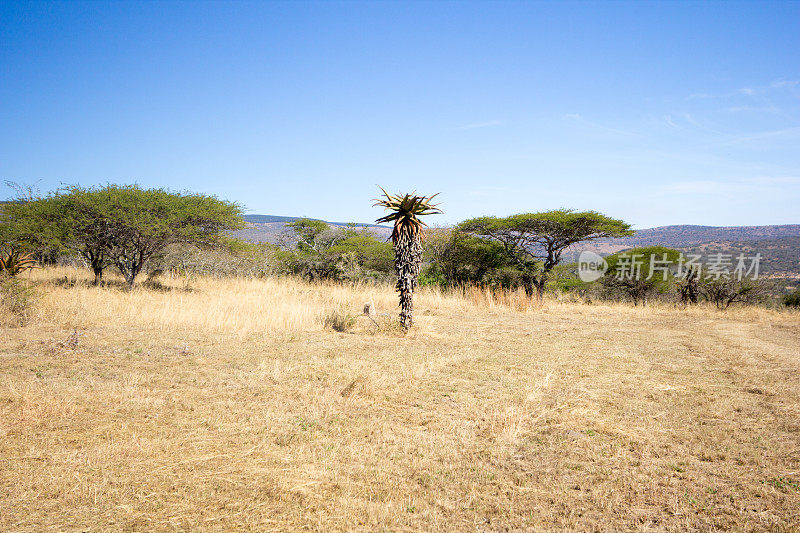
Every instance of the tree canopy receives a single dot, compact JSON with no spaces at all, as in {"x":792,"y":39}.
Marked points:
{"x":641,"y":272}
{"x":120,"y":225}
{"x":534,"y":242}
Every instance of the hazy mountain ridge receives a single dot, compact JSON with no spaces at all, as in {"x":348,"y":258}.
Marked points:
{"x":266,"y":228}
{"x":687,"y":235}
{"x":270,"y":228}
{"x":265,"y":219}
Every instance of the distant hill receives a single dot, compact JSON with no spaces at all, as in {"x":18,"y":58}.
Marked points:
{"x":271,"y":228}
{"x":676,"y":236}
{"x":779,"y":257}
{"x":686,"y":236}
{"x":672,"y":236}
{"x":779,"y":246}
{"x":265,"y":219}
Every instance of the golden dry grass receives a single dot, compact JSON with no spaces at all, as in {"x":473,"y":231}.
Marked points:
{"x":231,"y":407}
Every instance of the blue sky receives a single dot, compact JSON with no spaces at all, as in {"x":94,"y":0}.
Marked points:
{"x":654,"y":112}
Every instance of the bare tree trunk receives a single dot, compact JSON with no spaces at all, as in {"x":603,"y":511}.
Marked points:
{"x":407,"y":261}
{"x":540,"y":285}
{"x":527,"y":284}
{"x":98,"y":275}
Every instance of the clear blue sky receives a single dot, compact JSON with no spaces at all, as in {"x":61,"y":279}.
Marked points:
{"x":657,"y":113}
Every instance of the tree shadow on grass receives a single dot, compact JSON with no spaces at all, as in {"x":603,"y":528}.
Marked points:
{"x":149,"y":285}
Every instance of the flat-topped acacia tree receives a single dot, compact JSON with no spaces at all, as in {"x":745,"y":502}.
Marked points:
{"x":407,"y":237}
{"x":534,"y":242}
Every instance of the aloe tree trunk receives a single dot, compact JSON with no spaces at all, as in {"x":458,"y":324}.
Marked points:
{"x":407,"y":261}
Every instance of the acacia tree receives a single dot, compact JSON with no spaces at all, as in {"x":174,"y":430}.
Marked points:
{"x":534,"y":242}
{"x":724,"y":291}
{"x":640,"y":273}
{"x":141,"y":223}
{"x":26,"y":227}
{"x":121,"y":225}
{"x":407,"y":237}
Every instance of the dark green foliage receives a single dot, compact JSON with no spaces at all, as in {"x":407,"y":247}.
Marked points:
{"x":792,"y":300}
{"x":640,"y":273}
{"x":339,"y":254}
{"x":27,"y":226}
{"x":124,"y":226}
{"x":534,"y":242}
{"x":456,"y":258}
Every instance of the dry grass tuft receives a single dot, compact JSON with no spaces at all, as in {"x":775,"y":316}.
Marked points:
{"x":233,"y":406}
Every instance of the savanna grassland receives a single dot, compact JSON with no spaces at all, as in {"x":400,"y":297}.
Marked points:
{"x":233,"y":406}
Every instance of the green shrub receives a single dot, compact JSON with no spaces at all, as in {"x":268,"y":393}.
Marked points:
{"x":792,"y":300}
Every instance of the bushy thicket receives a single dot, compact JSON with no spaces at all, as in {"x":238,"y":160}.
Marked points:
{"x":317,"y":251}
{"x":792,"y":300}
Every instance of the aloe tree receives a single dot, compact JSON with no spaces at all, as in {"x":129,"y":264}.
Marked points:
{"x":13,"y":260}
{"x":407,"y":238}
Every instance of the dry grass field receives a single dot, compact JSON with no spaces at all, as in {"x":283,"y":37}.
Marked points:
{"x":232,"y":407}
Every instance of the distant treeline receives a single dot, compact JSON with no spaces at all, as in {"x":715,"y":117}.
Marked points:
{"x":139,"y":231}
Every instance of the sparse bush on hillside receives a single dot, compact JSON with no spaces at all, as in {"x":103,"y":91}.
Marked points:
{"x":792,"y":300}
{"x":688,"y":287}
{"x":723,"y":292}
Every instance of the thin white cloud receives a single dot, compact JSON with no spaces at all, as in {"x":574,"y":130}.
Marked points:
{"x":772,"y":134}
{"x":694,"y":122}
{"x":476,"y":125}
{"x":753,"y":109}
{"x":748,"y":91}
{"x":577,"y":118}
{"x":780,"y":84}
{"x":773,"y":180}
{"x":745,"y":186}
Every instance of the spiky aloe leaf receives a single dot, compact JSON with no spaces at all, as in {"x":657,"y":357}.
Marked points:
{"x":13,"y":261}
{"x":405,"y":211}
